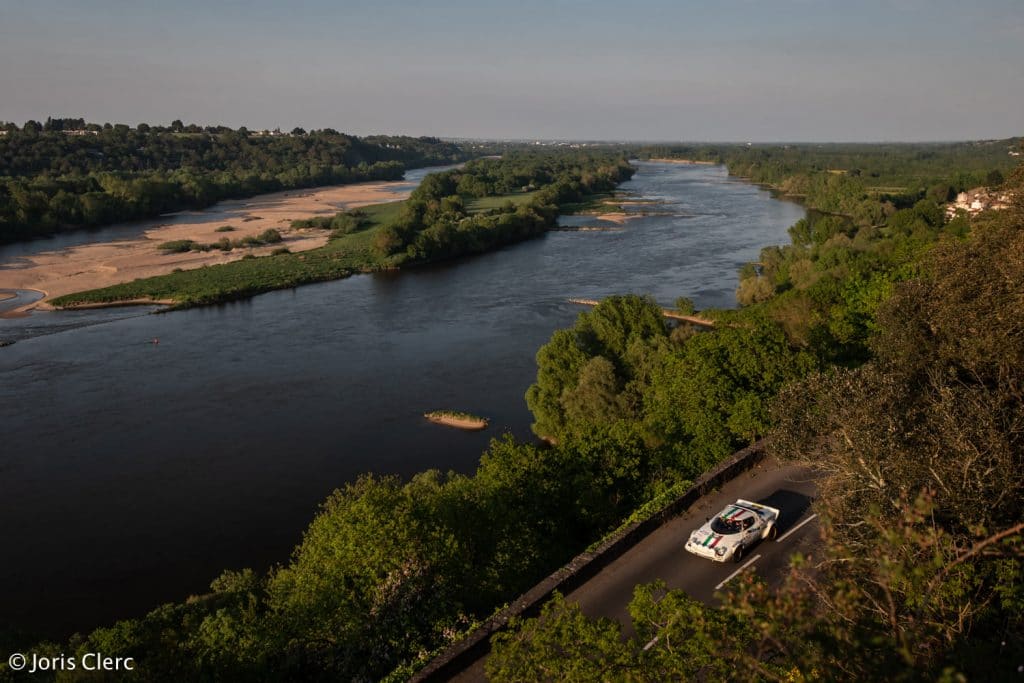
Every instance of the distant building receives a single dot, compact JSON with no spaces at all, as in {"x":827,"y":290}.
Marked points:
{"x":276,"y":133}
{"x":977,"y":200}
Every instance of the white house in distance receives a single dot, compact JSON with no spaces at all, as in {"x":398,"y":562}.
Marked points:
{"x":977,"y":200}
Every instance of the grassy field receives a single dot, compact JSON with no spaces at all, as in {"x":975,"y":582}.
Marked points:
{"x":497,"y":201}
{"x":382,"y":214}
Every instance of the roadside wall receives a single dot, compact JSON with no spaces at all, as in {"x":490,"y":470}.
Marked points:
{"x":582,"y":568}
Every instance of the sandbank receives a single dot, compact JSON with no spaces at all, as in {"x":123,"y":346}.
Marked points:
{"x":91,"y":266}
{"x":684,"y":161}
{"x":617,"y":217}
{"x":584,"y":228}
{"x":458,"y":421}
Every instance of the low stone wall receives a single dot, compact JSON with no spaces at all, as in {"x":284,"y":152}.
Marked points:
{"x":582,"y":568}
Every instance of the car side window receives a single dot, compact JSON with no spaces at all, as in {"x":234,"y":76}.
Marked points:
{"x":748,"y":522}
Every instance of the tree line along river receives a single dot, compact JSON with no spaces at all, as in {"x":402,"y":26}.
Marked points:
{"x":133,"y":473}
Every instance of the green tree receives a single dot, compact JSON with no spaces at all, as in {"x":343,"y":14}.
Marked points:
{"x":685,"y":306}
{"x":558,"y":399}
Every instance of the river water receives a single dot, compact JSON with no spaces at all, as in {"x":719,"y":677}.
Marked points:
{"x":132,"y":473}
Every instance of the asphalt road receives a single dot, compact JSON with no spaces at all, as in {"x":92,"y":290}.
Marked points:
{"x":661,"y":555}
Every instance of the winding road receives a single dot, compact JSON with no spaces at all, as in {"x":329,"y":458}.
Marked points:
{"x":660,"y":555}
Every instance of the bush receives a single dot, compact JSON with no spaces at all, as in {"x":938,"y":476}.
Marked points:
{"x":177,"y":246}
{"x":269,"y":236}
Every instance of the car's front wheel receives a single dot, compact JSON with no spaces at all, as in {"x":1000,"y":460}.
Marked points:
{"x":737,"y":555}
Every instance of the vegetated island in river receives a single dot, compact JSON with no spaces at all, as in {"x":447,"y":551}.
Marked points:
{"x":484,"y":205}
{"x":189,"y":242}
{"x":459,"y":420}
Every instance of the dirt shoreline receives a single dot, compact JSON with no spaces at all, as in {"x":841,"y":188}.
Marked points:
{"x":91,"y":266}
{"x":684,"y":161}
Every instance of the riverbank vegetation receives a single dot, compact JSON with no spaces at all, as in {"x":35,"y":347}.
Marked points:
{"x":437,"y":222}
{"x":889,"y":354}
{"x":843,"y":175}
{"x":66,"y":174}
{"x":268,"y":236}
{"x":915,"y":418}
{"x":919,"y":576}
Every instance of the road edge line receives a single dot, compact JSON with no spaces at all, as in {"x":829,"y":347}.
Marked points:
{"x":739,"y":571}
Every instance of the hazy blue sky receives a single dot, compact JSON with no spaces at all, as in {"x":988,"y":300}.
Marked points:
{"x":704,"y":70}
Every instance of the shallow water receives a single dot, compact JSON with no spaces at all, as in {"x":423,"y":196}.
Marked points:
{"x":132,"y":473}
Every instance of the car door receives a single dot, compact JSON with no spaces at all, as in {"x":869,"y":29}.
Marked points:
{"x":751,"y":529}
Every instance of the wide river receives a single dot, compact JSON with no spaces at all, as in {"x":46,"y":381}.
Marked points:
{"x":132,"y":473}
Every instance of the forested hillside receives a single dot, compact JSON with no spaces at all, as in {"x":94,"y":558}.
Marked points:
{"x":915,"y":416}
{"x":67,"y":174}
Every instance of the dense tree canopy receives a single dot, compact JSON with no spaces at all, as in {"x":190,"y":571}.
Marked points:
{"x":694,"y":397}
{"x":437,"y":223}
{"x":921,"y":572}
{"x":67,"y":174}
{"x":885,"y":344}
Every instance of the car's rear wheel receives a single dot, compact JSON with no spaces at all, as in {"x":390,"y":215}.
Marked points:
{"x":737,"y":555}
{"x":773,"y":532}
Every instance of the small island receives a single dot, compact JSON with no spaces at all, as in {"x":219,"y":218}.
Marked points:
{"x":453,"y":418}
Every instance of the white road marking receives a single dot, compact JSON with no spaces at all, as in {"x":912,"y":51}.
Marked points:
{"x":732,"y":576}
{"x":786,"y":535}
{"x":649,"y":645}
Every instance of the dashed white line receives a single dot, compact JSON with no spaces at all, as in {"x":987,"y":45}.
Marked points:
{"x":736,"y":573}
{"x":786,"y":535}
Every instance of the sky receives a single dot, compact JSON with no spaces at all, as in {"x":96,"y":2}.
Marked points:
{"x":708,"y":70}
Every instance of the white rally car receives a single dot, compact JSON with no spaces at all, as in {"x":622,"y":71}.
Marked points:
{"x":726,"y":536}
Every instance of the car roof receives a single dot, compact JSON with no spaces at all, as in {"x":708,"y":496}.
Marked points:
{"x":735,"y":512}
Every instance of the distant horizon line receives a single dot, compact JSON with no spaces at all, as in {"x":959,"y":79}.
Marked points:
{"x":553,"y":140}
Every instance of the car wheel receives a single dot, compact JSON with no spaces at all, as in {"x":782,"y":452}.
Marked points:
{"x":773,"y":532}
{"x":737,"y":555}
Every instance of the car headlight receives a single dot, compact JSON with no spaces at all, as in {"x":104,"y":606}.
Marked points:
{"x":720,"y":551}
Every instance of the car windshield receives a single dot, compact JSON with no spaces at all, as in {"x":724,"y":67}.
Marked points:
{"x":720,"y":525}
